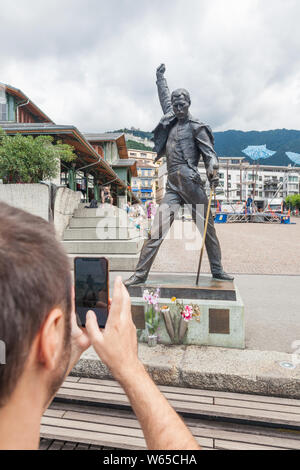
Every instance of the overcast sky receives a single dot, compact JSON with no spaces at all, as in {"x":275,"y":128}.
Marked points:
{"x":91,"y":63}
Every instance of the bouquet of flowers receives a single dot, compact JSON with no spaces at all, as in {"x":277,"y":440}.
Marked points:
{"x":177,"y":317}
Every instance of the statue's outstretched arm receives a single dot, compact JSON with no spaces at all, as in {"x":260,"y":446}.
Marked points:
{"x":163,"y":90}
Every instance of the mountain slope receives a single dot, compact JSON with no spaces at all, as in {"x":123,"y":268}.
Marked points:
{"x":231,"y":143}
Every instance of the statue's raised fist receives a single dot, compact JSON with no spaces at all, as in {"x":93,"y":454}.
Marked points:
{"x":161,"y":69}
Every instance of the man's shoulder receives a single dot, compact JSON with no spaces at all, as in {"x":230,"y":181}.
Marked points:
{"x":199,"y":126}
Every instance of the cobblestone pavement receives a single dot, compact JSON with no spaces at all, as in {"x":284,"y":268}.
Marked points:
{"x":246,"y":248}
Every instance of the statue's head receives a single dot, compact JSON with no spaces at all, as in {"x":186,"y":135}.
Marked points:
{"x":181,"y":102}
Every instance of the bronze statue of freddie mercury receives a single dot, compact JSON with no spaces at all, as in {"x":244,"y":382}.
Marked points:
{"x":183,"y":140}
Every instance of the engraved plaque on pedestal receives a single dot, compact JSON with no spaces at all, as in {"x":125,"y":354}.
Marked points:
{"x":219,"y":322}
{"x":138,"y":316}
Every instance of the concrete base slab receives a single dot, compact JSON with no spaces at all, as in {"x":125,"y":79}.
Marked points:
{"x":209,"y":368}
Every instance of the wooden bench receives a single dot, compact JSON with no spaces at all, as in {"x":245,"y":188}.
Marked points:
{"x":97,"y":412}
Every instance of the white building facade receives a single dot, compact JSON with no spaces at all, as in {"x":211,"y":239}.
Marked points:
{"x":239,"y":180}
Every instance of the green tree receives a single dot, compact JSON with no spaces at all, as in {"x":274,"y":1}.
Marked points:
{"x":293,"y":201}
{"x":133,"y":145}
{"x":25,"y":159}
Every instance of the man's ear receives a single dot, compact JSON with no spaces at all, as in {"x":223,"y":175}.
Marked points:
{"x":51,"y":338}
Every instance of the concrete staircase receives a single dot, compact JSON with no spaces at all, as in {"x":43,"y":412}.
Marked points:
{"x":105,"y":231}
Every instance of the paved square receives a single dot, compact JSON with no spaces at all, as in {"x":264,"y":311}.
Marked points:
{"x":246,"y":249}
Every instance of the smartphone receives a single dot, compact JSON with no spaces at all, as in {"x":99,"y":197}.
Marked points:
{"x":91,"y":289}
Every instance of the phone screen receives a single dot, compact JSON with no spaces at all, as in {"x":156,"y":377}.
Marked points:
{"x":91,"y":288}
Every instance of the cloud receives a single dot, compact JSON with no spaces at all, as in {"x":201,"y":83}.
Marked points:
{"x":92,"y":63}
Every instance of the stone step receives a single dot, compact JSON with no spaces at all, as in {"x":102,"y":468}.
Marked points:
{"x":100,"y":212}
{"x":90,"y":222}
{"x":101,"y":233}
{"x":104,"y":247}
{"x":117,"y":262}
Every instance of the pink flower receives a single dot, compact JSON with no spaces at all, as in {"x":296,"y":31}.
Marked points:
{"x":146,"y":295}
{"x":187,"y":313}
{"x":150,"y":298}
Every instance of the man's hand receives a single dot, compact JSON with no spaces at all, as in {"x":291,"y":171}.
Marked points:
{"x":116,"y":345}
{"x":212,"y":174}
{"x":79,"y":339}
{"x":160,"y":71}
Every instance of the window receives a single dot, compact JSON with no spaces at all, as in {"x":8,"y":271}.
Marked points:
{"x":3,"y":106}
{"x":3,"y":112}
{"x":293,"y":179}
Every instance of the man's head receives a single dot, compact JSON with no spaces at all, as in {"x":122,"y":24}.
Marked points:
{"x":181,"y":102}
{"x":35,"y":301}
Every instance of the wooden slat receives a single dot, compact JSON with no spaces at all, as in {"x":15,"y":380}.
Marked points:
{"x":259,"y":406}
{"x":69,"y":406}
{"x":54,"y":413}
{"x":71,"y":378}
{"x":228,"y":445}
{"x":237,"y":436}
{"x":110,"y":383}
{"x":56,"y":445}
{"x":90,"y":437}
{"x":45,"y":444}
{"x":99,"y":418}
{"x":82,"y":447}
{"x":200,"y":392}
{"x":92,"y":426}
{"x":112,"y":392}
{"x":69,"y":446}
{"x":96,"y":397}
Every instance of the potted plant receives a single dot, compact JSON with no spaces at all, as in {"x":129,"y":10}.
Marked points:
{"x":152,"y":315}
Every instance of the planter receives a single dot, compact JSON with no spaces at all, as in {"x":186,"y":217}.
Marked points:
{"x":175,"y":325}
{"x":152,"y":340}
{"x":168,"y":323}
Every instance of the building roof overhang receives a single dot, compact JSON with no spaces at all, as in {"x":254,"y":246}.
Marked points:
{"x":87,"y":155}
{"x":100,"y":138}
{"x":22,"y":99}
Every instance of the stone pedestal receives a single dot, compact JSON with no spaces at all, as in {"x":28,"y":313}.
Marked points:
{"x":221,"y":321}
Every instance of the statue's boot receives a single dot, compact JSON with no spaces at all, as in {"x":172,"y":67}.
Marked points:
{"x":134,"y":280}
{"x":222,"y":276}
